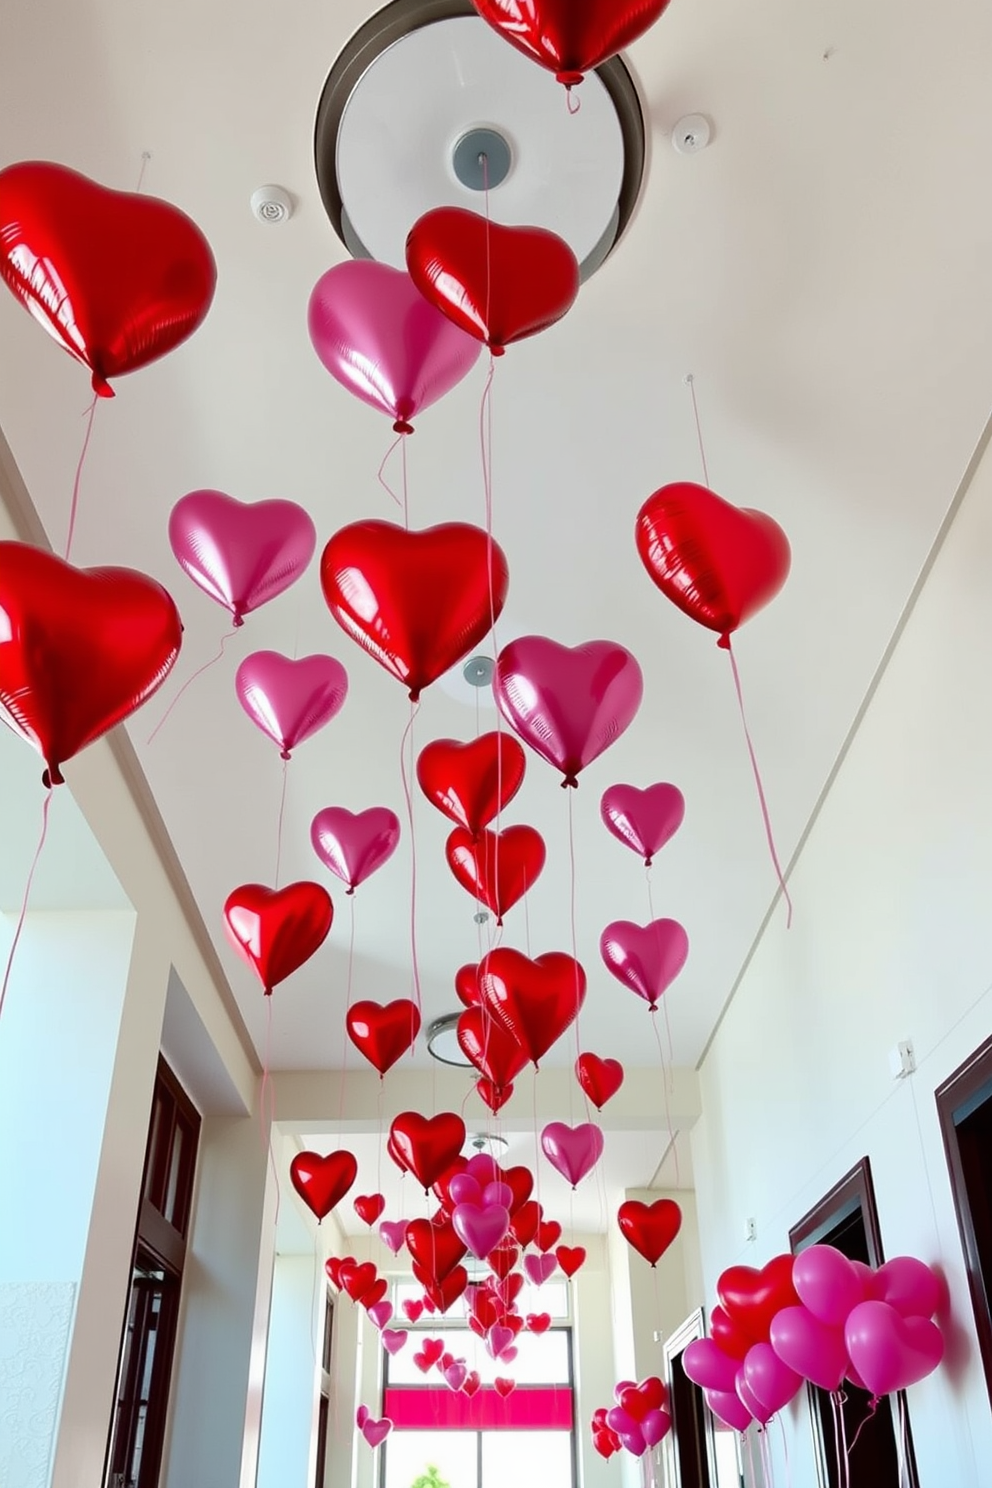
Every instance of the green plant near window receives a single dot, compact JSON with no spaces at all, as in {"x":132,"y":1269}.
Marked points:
{"x":430,"y":1479}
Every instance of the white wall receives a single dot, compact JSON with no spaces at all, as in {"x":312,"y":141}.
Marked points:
{"x":892,"y":939}
{"x":291,"y":1370}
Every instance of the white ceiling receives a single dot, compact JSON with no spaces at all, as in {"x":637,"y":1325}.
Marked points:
{"x":822,"y":269}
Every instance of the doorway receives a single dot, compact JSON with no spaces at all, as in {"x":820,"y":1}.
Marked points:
{"x":701,"y":1453}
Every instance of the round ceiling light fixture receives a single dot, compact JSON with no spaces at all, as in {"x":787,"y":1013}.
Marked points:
{"x":442,"y":1042}
{"x":427,"y":105}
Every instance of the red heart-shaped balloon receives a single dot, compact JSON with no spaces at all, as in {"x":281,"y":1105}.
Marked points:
{"x":727,"y":1336}
{"x":535,"y":1000}
{"x":606,"y":1441}
{"x":444,"y":1294}
{"x":719,"y":563}
{"x":503,"y":1259}
{"x":485,"y":1307}
{"x":428,"y":1146}
{"x":383,"y":1033}
{"x":440,"y":1187}
{"x":570,"y":1258}
{"x":375,"y":1293}
{"x":637,"y":1400}
{"x":494,"y":1096}
{"x":548,"y":1233}
{"x":504,"y":1386}
{"x":520,"y":1181}
{"x":368,"y":1207}
{"x":650,"y":1228}
{"x":435,"y":1249}
{"x":467,"y":985}
{"x":276,"y":930}
{"x":412,"y":1310}
{"x":599,"y":1078}
{"x":538,"y":1322}
{"x":497,"y":868}
{"x":570,"y":39}
{"x":471,"y":1383}
{"x":494,"y":1052}
{"x":322,"y":1182}
{"x":116,"y":278}
{"x":80,"y":649}
{"x":508,"y":1289}
{"x":332,"y":1266}
{"x":523,"y":1225}
{"x":357,"y":1279}
{"x":430,"y":1353}
{"x":472,"y":783}
{"x":498,"y":283}
{"x":416,"y":601}
{"x":751,"y":1298}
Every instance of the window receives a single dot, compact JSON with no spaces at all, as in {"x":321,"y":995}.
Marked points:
{"x":964,"y":1105}
{"x":137,"y":1432}
{"x":446,"y":1437}
{"x":847,"y":1218}
{"x":701,"y":1452}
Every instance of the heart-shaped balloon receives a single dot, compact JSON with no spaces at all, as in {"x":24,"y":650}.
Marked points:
{"x":456,"y":1374}
{"x":728,"y":1407}
{"x":494,"y":1096}
{"x":536,"y":1000}
{"x":416,"y":601}
{"x":480,"y":1229}
{"x":494,"y":1052}
{"x":375,"y":1432}
{"x":540,"y":1268}
{"x":428,"y":1145}
{"x":649,"y":1228}
{"x":383,"y":1033}
{"x":752,"y":1298}
{"x":727,"y":1335}
{"x":358,"y":1280}
{"x":500,"y":1338}
{"x":644,"y":820}
{"x":353,"y":844}
{"x":464,"y":1189}
{"x":372,"y":1298}
{"x":908,"y":1285}
{"x":570,"y":1258}
{"x":444,"y":1294}
{"x":393,"y":1339}
{"x":471,"y":783}
{"x":503,"y":1385}
{"x":708,"y":1366}
{"x":332,"y":1266}
{"x":496,"y":868}
{"x":392,"y":1233}
{"x":600,"y":1078}
{"x":498,"y":283}
{"x":627,"y":1429}
{"x":502,"y":1260}
{"x":810,"y":1347}
{"x":277,"y":930}
{"x":368,"y":1207}
{"x":240,"y":553}
{"x":769,"y":1379}
{"x":322,"y":1182}
{"x":566,"y":38}
{"x":524,"y":1223}
{"x":888,"y":1351}
{"x":471,"y":1383}
{"x":378,"y":337}
{"x":749,"y":1400}
{"x":547,"y":1234}
{"x":569,"y":703}
{"x":380,"y":1312}
{"x":538,"y":1322}
{"x":606,"y":1442}
{"x":116,"y":278}
{"x":411,"y":1308}
{"x":290,"y":700}
{"x":436,"y":1248}
{"x":645,"y":958}
{"x":655,"y":1427}
{"x":717,"y":562}
{"x":827,"y":1283}
{"x":80,"y":649}
{"x":467,"y":985}
{"x":572,"y":1151}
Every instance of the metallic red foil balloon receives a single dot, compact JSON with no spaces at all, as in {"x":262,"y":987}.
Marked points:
{"x":536,"y":1000}
{"x":497,"y":868}
{"x":383,"y":1033}
{"x":277,"y":930}
{"x":471,"y":783}
{"x":322,"y":1182}
{"x":493,"y":1051}
{"x":719,"y":563}
{"x":80,"y":648}
{"x":427,"y":1145}
{"x":500,"y":284}
{"x":570,"y":37}
{"x":650,"y":1228}
{"x":416,"y":601}
{"x":116,"y":278}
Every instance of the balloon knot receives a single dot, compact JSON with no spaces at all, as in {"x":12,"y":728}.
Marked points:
{"x":569,"y":80}
{"x":402,"y":427}
{"x":238,"y":619}
{"x":570,"y":780}
{"x":267,"y":991}
{"x":285,"y":754}
{"x":414,"y":694}
{"x":496,"y":350}
{"x":102,"y":387}
{"x":52,"y":776}
{"x":350,"y":890}
{"x":499,"y":922}
{"x":724,"y":641}
{"x":648,"y":861}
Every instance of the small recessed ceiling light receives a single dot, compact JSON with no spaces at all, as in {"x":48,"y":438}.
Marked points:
{"x":272,"y":204}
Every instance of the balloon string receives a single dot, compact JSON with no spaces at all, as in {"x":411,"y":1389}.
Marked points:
{"x":690,"y":383}
{"x":268,"y":1085}
{"x":88,"y":416}
{"x":189,"y":682}
{"x":835,"y":1409}
{"x":526,"y":920}
{"x":750,"y":1456}
{"x":537,"y":1141}
{"x":785,"y":1451}
{"x":664,"y":1085}
{"x":572,"y":102}
{"x":765,"y":816}
{"x":347,"y":1040}
{"x":406,"y":493}
{"x":146,"y":155}
{"x":27,"y":894}
{"x":845,"y":1463}
{"x":408,"y":796}
{"x":902,"y":1452}
{"x":872,"y":1408}
{"x":313,"y":1299}
{"x":282,"y":813}
{"x":381,"y":476}
{"x":575,"y":955}
{"x":668,"y":1023}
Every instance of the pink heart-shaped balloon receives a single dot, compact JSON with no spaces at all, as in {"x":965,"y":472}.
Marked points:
{"x":908,"y":1285}
{"x":708,"y":1366}
{"x":392,"y":1233}
{"x":539,"y":1268}
{"x":497,"y":1193}
{"x":769,"y":1378}
{"x":727,"y":1406}
{"x":375,"y":1432}
{"x":480,"y":1229}
{"x":643,"y":819}
{"x":499,"y":1339}
{"x":568,"y":703}
{"x":508,"y":1354}
{"x":354,"y":844}
{"x":888,"y":1351}
{"x":464,"y":1189}
{"x":750,"y":1401}
{"x":393,"y":1339}
{"x":380,"y":338}
{"x":290,"y":700}
{"x":380,"y":1313}
{"x":572,"y":1151}
{"x":456,"y":1374}
{"x":827,"y":1283}
{"x":645,"y":958}
{"x":361,"y":1416}
{"x":810,"y":1347}
{"x":655,"y":1427}
{"x":240,"y":553}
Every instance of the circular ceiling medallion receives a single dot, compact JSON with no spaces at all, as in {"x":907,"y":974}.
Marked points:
{"x":427,"y":104}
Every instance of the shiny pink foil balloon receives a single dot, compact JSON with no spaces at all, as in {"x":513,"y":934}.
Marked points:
{"x":290,"y":700}
{"x":572,"y":1151}
{"x":480,"y":1229}
{"x":646,"y":958}
{"x":240,"y":553}
{"x":569,"y":703}
{"x":377,"y":335}
{"x":354,"y":844}
{"x":643,"y":819}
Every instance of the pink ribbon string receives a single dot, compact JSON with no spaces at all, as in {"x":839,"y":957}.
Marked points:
{"x":88,"y":416}
{"x":27,"y":894}
{"x":282,"y":813}
{"x":408,"y":797}
{"x":189,"y":682}
{"x":765,"y":816}
{"x":381,"y":474}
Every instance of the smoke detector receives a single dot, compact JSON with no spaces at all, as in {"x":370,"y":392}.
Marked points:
{"x":272,"y":204}
{"x":691,"y":134}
